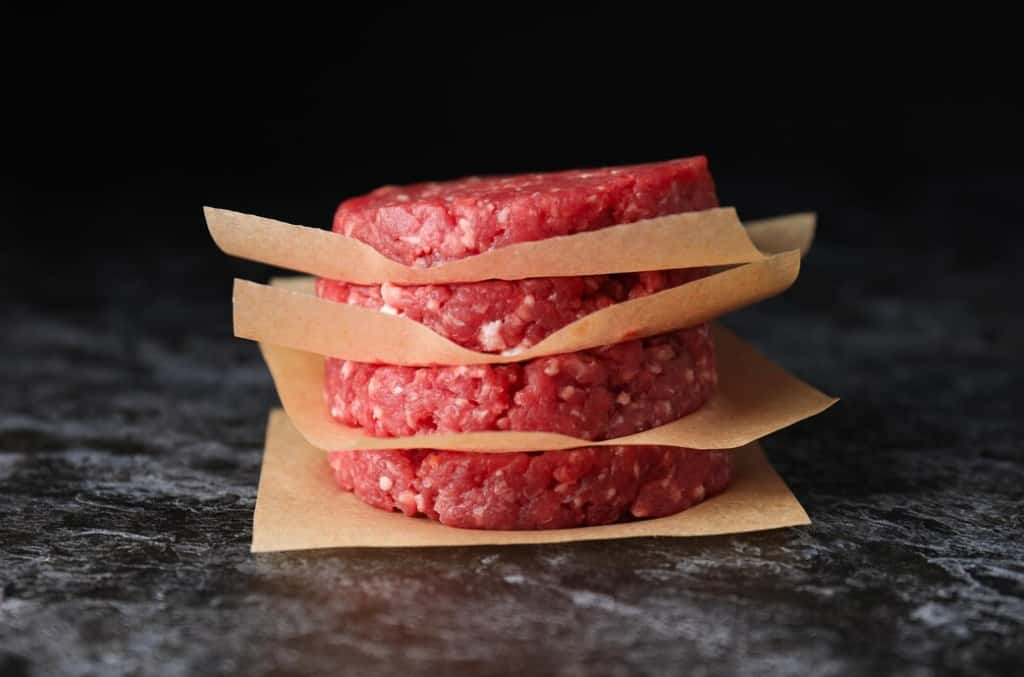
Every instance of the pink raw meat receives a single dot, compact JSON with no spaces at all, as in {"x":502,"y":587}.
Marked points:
{"x":504,"y":316}
{"x":425,"y":223}
{"x":593,"y":394}
{"x":540,"y":490}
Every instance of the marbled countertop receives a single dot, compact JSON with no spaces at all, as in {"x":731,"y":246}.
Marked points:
{"x":131,"y":426}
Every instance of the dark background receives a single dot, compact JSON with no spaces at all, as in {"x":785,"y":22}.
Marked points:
{"x":125,"y":121}
{"x":131,"y":422}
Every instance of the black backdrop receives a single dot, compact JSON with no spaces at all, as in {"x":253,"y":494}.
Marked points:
{"x":124,"y":121}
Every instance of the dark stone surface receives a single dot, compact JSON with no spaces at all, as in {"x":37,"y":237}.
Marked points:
{"x":130,"y":437}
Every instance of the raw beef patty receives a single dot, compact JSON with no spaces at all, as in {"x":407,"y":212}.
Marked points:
{"x":425,"y":223}
{"x":593,"y":394}
{"x":541,"y":490}
{"x":498,"y":316}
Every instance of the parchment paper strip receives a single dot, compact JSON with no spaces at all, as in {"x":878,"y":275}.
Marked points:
{"x":707,"y":238}
{"x":288,"y":318}
{"x":754,"y":398}
{"x":298,"y":507}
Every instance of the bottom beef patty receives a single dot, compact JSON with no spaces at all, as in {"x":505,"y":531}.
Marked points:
{"x":537,"y":490}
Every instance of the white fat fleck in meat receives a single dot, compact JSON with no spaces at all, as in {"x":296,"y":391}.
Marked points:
{"x":390,"y":293}
{"x":566,"y":392}
{"x":385,"y":483}
{"x":623,"y":398}
{"x":402,"y":197}
{"x":388,"y":310}
{"x":397,"y":390}
{"x":610,"y":494}
{"x":406,"y":499}
{"x":503,"y":215}
{"x":468,"y":237}
{"x":551,"y":368}
{"x":346,"y":369}
{"x":698,"y":492}
{"x":490,"y":336}
{"x":378,"y":413}
{"x":410,"y":239}
{"x":512,"y":352}
{"x":525,"y":309}
{"x":421,"y":504}
{"x":337,"y":411}
{"x":654,"y":368}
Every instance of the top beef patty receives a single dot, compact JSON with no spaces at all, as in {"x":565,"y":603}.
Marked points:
{"x":426,"y":223}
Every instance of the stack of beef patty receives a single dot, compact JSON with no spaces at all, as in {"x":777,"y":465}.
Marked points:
{"x":595,"y":394}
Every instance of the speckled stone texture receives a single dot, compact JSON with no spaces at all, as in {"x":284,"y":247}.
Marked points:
{"x":130,"y":446}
